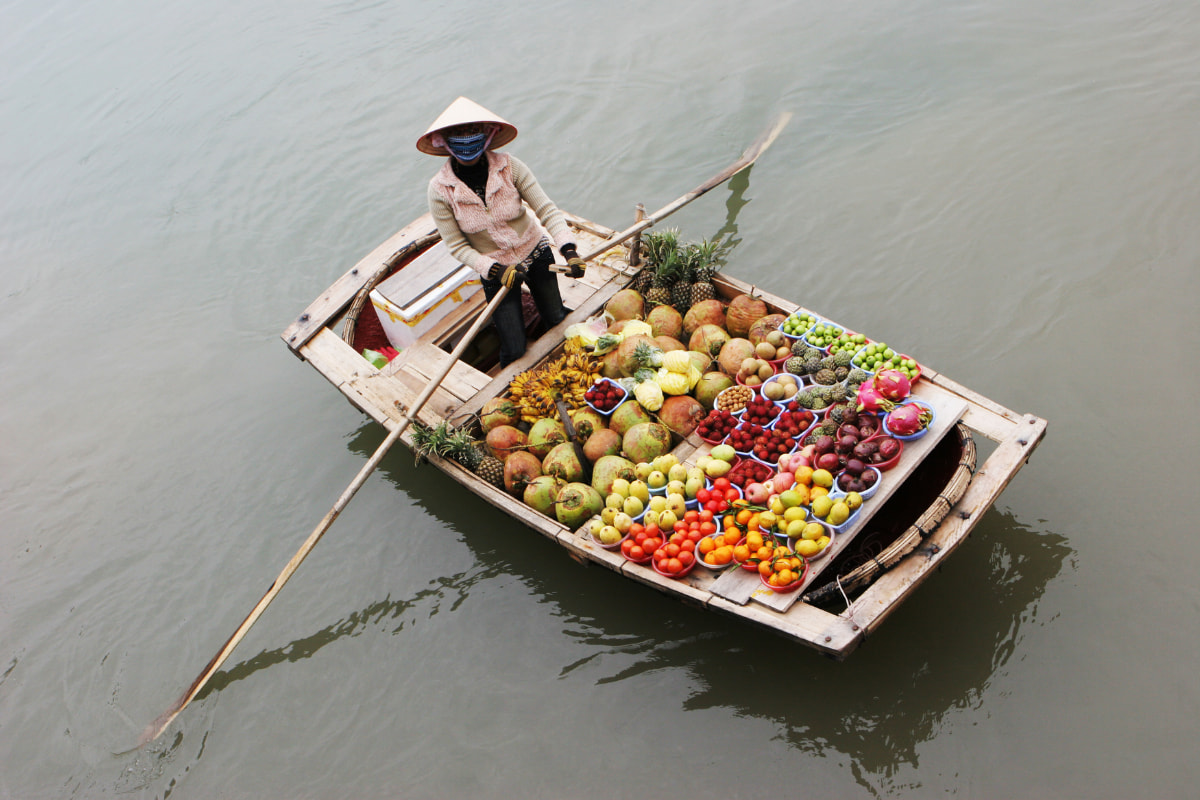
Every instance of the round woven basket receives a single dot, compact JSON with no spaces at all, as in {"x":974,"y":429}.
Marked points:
{"x":858,"y":578}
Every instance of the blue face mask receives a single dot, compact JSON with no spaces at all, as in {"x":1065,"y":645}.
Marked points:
{"x":467,"y":148}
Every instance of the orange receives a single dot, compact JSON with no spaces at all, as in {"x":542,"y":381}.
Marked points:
{"x":804,"y":476}
{"x":741,"y":552}
{"x":764,"y":569}
{"x":706,"y":546}
{"x":732,"y":536}
{"x":785,"y":577}
{"x":743,"y":516}
{"x":723,"y":555}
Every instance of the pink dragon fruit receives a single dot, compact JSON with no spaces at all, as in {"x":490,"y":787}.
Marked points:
{"x":870,"y":399}
{"x":893,"y":384}
{"x":909,"y":419}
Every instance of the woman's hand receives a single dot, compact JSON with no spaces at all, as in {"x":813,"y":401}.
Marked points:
{"x":510,"y":276}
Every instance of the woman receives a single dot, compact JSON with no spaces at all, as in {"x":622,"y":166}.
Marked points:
{"x":476,"y":199}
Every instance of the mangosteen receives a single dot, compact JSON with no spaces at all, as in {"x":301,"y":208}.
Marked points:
{"x":825,"y":444}
{"x":868,"y":478}
{"x":864,"y":450}
{"x":855,"y":467}
{"x":848,"y":430}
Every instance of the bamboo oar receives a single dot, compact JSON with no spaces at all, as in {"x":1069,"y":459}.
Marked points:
{"x":154,"y":729}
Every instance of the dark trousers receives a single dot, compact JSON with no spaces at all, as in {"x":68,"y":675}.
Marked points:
{"x":509,"y":320}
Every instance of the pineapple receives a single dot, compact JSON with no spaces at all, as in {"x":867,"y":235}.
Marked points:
{"x":707,"y":257}
{"x":458,"y":445}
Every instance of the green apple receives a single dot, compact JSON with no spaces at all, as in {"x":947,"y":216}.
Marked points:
{"x":595,"y":525}
{"x":614,"y":500}
{"x":677,"y":472}
{"x":664,"y":462}
{"x":716,"y":468}
{"x":656,"y":479}
{"x":658,"y":503}
{"x":677,"y":504}
{"x":643,"y":469}
{"x":675,"y":487}
{"x":623,"y":522}
{"x":694,"y":484}
{"x":621,"y":487}
{"x":651,"y":517}
{"x":607,"y":515}
{"x":667,"y":520}
{"x":640,"y":490}
{"x":610,"y":535}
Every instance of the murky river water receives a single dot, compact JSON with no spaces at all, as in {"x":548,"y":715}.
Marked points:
{"x":1008,"y":190}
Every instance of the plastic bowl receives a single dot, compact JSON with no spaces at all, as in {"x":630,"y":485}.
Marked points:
{"x":919,"y":433}
{"x":821,"y":553}
{"x":866,"y":494}
{"x":800,"y":383}
{"x":624,"y":397}
{"x":791,"y":587}
{"x":793,"y":336}
{"x":884,"y":466}
{"x":616,"y":546}
{"x":682,"y":573}
{"x":850,"y":520}
{"x":714,"y":567}
{"x":716,"y":403}
{"x":821,"y":346}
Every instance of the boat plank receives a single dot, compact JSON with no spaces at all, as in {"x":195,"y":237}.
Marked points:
{"x":829,"y":633}
{"x":334,"y":299}
{"x":882,"y":598}
{"x":428,"y":360}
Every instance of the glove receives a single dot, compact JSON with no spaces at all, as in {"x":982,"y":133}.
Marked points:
{"x":576,"y":265}
{"x":509,"y":276}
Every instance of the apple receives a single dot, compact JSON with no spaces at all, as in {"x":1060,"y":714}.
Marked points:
{"x":608,"y":515}
{"x":677,"y":472}
{"x":757,"y":493}
{"x":640,"y":490}
{"x":633,"y":506}
{"x":656,"y":479}
{"x":623,"y":523}
{"x":621,"y":486}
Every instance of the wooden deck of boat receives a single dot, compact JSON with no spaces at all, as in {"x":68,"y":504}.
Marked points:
{"x":385,"y":394}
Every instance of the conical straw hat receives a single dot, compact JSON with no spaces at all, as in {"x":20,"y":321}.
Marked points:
{"x":461,"y":112}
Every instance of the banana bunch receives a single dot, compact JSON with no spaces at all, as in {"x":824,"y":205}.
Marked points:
{"x":568,"y":376}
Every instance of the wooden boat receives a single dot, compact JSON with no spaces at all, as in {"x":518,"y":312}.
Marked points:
{"x":923,"y":511}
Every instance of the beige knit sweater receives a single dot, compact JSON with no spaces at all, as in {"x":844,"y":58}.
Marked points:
{"x":502,"y":230}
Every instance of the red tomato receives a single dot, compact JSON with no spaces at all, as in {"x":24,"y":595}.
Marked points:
{"x":705,"y":515}
{"x":721,"y":484}
{"x":680,"y":525}
{"x":708,"y":527}
{"x":703,"y":495}
{"x":691,"y":516}
{"x":686,"y":546}
{"x":694,"y":536}
{"x":636,"y":552}
{"x":686,"y":558}
{"x":626,"y":546}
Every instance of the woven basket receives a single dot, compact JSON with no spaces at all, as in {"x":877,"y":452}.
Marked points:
{"x":864,"y":575}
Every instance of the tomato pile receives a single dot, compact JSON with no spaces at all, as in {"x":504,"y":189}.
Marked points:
{"x":677,"y":556}
{"x":716,"y":498}
{"x":604,"y":395}
{"x":641,"y":543}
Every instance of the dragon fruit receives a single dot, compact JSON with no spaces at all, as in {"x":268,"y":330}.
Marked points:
{"x":892,"y":384}
{"x":909,"y":419}
{"x":870,"y":399}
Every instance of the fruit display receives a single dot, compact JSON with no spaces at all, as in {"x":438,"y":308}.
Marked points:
{"x":793,"y":422}
{"x":822,"y":335}
{"x":716,"y":426}
{"x":798,"y":323}
{"x":605,"y":395}
{"x":754,"y":370}
{"x":749,"y":471}
{"x":785,"y":571}
{"x":908,"y":420}
{"x":734,"y":399}
{"x":569,"y":377}
{"x":847,"y":342}
{"x":760,"y":411}
{"x":781,"y":388}
{"x":639,"y":547}
{"x":812,"y":539}
{"x":878,"y":356}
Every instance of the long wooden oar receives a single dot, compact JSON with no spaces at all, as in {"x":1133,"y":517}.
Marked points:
{"x":155,"y":728}
{"x":159,"y":725}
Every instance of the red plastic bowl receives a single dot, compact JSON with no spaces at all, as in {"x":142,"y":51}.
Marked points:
{"x":884,"y":466}
{"x":682,"y":573}
{"x":791,"y":587}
